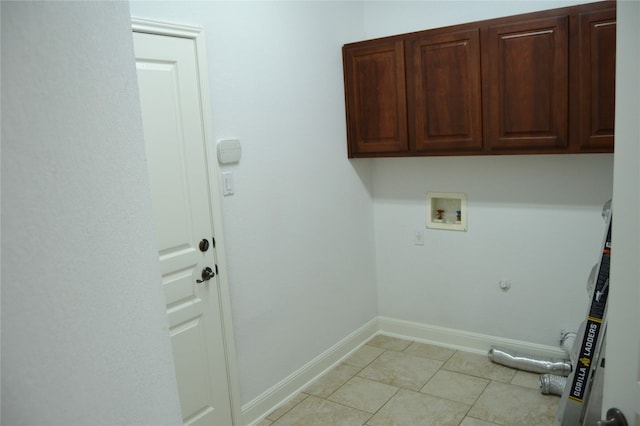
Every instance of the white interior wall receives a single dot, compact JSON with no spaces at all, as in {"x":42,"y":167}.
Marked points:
{"x":299,"y":228}
{"x":383,"y":18}
{"x":84,"y":330}
{"x":533,"y":220}
{"x":622,"y":373}
{"x":58,"y":326}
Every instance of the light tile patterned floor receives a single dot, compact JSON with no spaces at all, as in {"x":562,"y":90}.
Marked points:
{"x":392,"y":381}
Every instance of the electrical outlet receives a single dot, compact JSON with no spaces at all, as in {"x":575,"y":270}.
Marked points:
{"x":418,"y":238}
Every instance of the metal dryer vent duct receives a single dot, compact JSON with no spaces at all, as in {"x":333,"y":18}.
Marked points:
{"x":550,"y":384}
{"x":566,"y":343}
{"x":527,"y":363}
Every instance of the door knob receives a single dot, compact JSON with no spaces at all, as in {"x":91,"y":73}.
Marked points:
{"x":614,"y":418}
{"x":207,"y":274}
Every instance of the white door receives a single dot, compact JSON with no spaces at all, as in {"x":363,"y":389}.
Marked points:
{"x":172,"y":118}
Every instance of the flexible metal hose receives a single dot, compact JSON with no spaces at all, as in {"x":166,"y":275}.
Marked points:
{"x":527,"y":363}
{"x":566,"y":343}
{"x":550,"y":384}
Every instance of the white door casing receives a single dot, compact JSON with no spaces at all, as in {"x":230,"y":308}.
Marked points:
{"x":176,"y":120}
{"x":622,"y":371}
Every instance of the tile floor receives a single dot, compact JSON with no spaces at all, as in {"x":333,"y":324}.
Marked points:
{"x":392,"y":381}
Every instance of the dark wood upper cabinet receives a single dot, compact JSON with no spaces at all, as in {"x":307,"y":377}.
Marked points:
{"x":597,"y":70}
{"x":526,"y":77}
{"x":376,"y":98}
{"x":444,"y":92}
{"x":537,"y":83}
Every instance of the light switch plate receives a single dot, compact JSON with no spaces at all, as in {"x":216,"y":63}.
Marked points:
{"x":227,"y":183}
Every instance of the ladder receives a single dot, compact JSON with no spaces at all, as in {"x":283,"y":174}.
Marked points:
{"x":590,"y":360}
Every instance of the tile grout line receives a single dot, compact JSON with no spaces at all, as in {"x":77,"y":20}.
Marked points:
{"x":385,"y":344}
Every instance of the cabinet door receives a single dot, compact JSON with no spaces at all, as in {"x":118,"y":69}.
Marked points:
{"x":526,"y":66}
{"x":445,"y":103}
{"x":597,"y":68}
{"x":375,"y":98}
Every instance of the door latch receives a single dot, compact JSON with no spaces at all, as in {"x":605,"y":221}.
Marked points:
{"x":614,"y":418}
{"x":207,"y":274}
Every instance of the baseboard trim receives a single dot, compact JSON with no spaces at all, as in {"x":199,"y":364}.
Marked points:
{"x":255,"y":410}
{"x":461,"y":340}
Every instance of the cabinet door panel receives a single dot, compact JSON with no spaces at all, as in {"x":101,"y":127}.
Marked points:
{"x":527,"y":76}
{"x":445,"y":107}
{"x":376,"y":99}
{"x":597,"y":80}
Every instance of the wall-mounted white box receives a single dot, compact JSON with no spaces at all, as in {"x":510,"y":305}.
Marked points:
{"x":229,"y":151}
{"x":447,"y":210}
